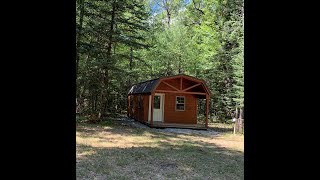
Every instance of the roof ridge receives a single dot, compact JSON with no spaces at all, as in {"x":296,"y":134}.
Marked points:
{"x":146,"y":87}
{"x":144,"y":81}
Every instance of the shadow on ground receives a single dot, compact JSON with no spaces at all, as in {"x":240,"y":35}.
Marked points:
{"x":183,"y":159}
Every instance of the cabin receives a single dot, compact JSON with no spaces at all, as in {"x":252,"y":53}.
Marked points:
{"x":170,"y":101}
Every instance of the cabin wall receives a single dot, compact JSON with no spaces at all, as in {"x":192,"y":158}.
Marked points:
{"x":146,"y":107}
{"x":135,"y":111}
{"x":174,"y":82}
{"x":131,"y":106}
{"x":188,"y":116}
{"x":172,"y":88}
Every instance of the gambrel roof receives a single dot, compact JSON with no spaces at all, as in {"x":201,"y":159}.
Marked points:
{"x":143,"y":87}
{"x":147,"y":87}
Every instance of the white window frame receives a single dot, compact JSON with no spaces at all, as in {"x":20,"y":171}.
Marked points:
{"x":184,"y":104}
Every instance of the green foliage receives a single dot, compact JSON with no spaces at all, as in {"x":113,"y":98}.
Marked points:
{"x":80,"y":119}
{"x":109,"y":30}
{"x":122,"y":42}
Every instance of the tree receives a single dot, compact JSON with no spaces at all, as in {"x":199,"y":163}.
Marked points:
{"x":122,"y":42}
{"x":107,"y":23}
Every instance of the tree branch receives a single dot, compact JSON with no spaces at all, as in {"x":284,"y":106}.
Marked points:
{"x":197,"y":8}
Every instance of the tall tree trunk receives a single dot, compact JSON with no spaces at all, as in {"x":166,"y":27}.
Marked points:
{"x":236,"y":113}
{"x":101,"y":106}
{"x":238,"y":123}
{"x":92,"y":102}
{"x":168,"y":71}
{"x":166,"y":6}
{"x":79,"y":35}
{"x":197,"y":8}
{"x":77,"y":105}
{"x":105,"y":106}
{"x":95,"y":102}
{"x":112,"y":24}
{"x":169,"y":17}
{"x":180,"y":64}
{"x":130,"y":66}
{"x":105,"y":79}
{"x":131,"y":57}
{"x":237,"y":119}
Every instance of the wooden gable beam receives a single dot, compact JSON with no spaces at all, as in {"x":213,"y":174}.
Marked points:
{"x":171,"y":86}
{"x":192,"y":87}
{"x":192,"y":79}
{"x":165,"y":91}
{"x":204,"y":85}
{"x":181,"y":76}
{"x":173,"y":77}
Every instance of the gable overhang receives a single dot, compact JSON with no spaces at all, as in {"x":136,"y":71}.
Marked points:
{"x":190,"y":78}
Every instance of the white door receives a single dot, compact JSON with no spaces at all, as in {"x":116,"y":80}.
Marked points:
{"x":158,"y":107}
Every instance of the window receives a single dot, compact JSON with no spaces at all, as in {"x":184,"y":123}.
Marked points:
{"x":156,"y":104}
{"x":180,"y":100}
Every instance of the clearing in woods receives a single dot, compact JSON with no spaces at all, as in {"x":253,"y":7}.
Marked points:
{"x":116,"y":150}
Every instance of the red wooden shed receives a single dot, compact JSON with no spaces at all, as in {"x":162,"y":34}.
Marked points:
{"x":170,"y":101}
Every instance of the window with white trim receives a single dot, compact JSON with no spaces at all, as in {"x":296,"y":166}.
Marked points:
{"x":180,"y":103}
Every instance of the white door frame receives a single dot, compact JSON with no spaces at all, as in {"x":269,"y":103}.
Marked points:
{"x":162,"y":97}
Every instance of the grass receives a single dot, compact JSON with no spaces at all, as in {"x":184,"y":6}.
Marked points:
{"x":114,"y":151}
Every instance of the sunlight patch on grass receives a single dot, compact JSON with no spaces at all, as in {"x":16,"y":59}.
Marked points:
{"x":121,"y":152}
{"x":107,"y":127}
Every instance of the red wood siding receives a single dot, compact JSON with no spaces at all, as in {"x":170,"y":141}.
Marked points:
{"x":174,"y":82}
{"x":146,"y":108}
{"x":163,"y":86}
{"x":172,"y":88}
{"x":197,"y":89}
{"x":140,"y":114}
{"x":188,"y":116}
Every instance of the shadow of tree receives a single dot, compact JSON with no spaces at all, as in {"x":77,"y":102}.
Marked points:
{"x":183,"y":162}
{"x":181,"y":159}
{"x":127,"y":130}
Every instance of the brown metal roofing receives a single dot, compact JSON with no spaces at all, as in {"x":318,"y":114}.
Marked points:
{"x":143,"y":87}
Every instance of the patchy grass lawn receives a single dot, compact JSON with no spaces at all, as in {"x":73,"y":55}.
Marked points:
{"x":113,"y":151}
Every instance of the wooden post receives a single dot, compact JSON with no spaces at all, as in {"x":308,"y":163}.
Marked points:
{"x":207,"y":109}
{"x":236,"y":122}
{"x":152,"y":104}
{"x":240,"y":121}
{"x":138,"y":108}
{"x":180,"y":83}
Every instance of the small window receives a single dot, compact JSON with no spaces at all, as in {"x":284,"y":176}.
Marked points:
{"x":156,"y":103}
{"x":180,"y":103}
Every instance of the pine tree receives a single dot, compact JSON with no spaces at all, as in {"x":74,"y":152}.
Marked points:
{"x":121,"y":42}
{"x":107,"y":24}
